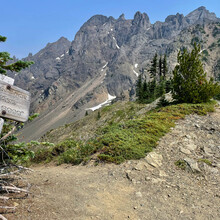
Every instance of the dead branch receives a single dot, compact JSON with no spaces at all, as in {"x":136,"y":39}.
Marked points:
{"x":4,"y":198}
{"x":9,"y":174}
{"x":2,"y":217}
{"x":8,"y":134}
{"x":12,"y":189}
{"x":7,"y":207}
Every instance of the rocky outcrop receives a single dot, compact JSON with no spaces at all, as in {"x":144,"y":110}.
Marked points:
{"x":200,"y":16}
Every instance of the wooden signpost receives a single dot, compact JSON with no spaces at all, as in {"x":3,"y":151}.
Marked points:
{"x":14,"y":102}
{"x":1,"y":124}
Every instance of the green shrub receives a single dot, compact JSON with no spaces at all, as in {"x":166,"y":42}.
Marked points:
{"x":181,"y":164}
{"x":206,"y":161}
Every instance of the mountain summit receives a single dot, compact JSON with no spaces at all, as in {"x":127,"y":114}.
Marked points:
{"x":200,"y":15}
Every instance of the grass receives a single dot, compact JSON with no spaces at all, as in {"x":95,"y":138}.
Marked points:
{"x":208,"y":162}
{"x":122,"y":140}
{"x":181,"y":164}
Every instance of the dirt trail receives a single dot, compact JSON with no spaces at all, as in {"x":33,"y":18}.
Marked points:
{"x":67,"y":192}
{"x":151,"y":188}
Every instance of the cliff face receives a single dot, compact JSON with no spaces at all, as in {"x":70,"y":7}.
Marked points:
{"x":106,"y":57}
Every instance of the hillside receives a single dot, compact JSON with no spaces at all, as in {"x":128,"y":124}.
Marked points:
{"x":178,"y":180}
{"x":105,"y":58}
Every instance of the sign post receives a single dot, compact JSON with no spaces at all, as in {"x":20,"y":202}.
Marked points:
{"x":14,"y":102}
{"x":1,"y":124}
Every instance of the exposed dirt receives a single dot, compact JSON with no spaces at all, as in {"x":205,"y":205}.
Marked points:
{"x":151,"y":188}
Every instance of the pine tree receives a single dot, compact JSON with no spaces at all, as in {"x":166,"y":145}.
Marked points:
{"x":160,"y":89}
{"x":146,"y":92}
{"x":160,"y":66}
{"x":153,"y":69}
{"x":139,"y":86}
{"x":152,"y":89}
{"x":5,"y":57}
{"x":189,"y":79}
{"x":164,"y":66}
{"x":98,"y":115}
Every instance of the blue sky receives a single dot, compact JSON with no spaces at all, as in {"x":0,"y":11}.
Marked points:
{"x":30,"y":24}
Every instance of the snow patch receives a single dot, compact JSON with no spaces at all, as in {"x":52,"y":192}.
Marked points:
{"x":107,"y":102}
{"x":136,"y":65}
{"x":62,"y":55}
{"x":201,"y":51}
{"x":67,"y":51}
{"x":135,"y":73}
{"x":111,"y":29}
{"x":105,"y":65}
{"x":148,"y":29}
{"x":116,"y":43}
{"x":57,"y":58}
{"x":32,"y":77}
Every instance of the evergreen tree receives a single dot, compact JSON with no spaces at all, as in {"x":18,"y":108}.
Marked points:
{"x":160,"y":65}
{"x":164,"y":66}
{"x":98,"y":115}
{"x":153,"y":69}
{"x":168,"y":85}
{"x":146,"y":92}
{"x":189,"y":79}
{"x":160,"y":89}
{"x":152,"y":88}
{"x":86,"y":113}
{"x":139,"y":86}
{"x":5,"y":57}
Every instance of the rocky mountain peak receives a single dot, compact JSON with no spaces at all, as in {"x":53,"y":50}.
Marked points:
{"x":173,"y":18}
{"x":200,"y":15}
{"x":97,"y":20}
{"x":122,"y":17}
{"x":141,"y":20}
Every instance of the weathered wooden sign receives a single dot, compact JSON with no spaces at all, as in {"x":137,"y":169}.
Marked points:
{"x":1,"y":124}
{"x":7,"y":79}
{"x":14,"y":102}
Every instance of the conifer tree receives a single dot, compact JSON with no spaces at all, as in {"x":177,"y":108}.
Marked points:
{"x":160,"y":65}
{"x":139,"y":86}
{"x":146,"y":92}
{"x":189,"y":79}
{"x":5,"y":57}
{"x":165,"y":68}
{"x":153,"y":69}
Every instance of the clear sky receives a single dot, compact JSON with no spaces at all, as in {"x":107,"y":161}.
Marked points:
{"x":30,"y":24}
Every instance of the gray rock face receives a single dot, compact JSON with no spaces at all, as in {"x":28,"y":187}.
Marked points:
{"x":201,"y":15}
{"x":106,"y":56}
{"x":45,"y":70}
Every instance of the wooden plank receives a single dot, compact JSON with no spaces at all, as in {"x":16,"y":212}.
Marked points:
{"x":14,"y":102}
{"x":7,"y":79}
{"x":1,"y":124}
